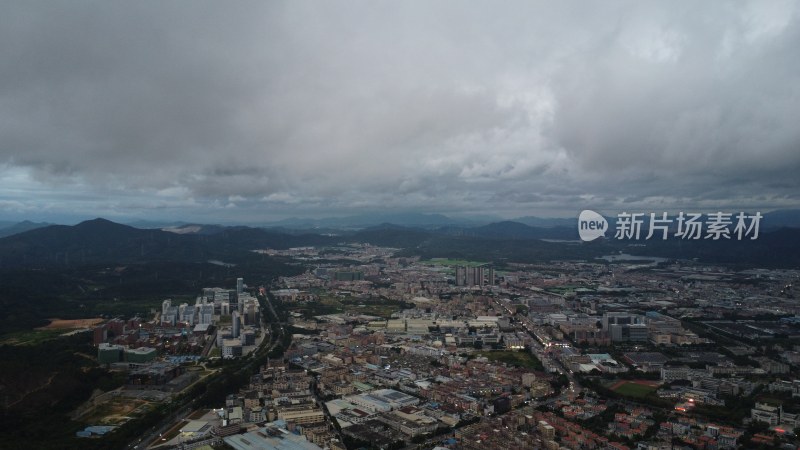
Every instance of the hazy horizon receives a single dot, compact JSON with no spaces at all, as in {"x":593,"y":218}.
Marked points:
{"x":363,"y":218}
{"x":254,"y":112}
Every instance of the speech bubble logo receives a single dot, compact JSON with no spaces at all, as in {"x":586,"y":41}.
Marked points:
{"x":591,"y":225}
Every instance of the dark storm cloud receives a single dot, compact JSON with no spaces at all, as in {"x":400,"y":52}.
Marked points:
{"x":205,"y":109}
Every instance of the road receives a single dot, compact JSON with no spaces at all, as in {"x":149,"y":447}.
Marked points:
{"x":281,"y":326}
{"x":330,"y":419}
{"x":548,"y":361}
{"x":157,"y":431}
{"x":209,"y":345}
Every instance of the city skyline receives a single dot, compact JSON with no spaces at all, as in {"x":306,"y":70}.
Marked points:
{"x":251,"y":113}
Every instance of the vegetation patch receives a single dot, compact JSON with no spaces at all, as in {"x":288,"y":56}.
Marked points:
{"x":373,"y":306}
{"x":452,"y":262}
{"x":329,"y":304}
{"x":31,"y":337}
{"x":634,"y":389}
{"x":512,"y":358}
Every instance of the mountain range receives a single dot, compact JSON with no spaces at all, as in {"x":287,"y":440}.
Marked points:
{"x":12,"y":228}
{"x":103,"y":241}
{"x":466,"y":225}
{"x":100,"y":240}
{"x":771,"y":221}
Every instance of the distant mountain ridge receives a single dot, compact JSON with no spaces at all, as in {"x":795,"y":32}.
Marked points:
{"x":21,"y":227}
{"x":547,"y":222}
{"x":191,"y":228}
{"x":103,"y":241}
{"x":515,"y":230}
{"x":369,"y":220}
{"x":783,"y":218}
{"x":90,"y":241}
{"x":100,"y":240}
{"x":771,"y":220}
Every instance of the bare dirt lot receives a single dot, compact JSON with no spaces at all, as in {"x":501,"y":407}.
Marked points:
{"x":116,"y":411}
{"x":70,"y":324}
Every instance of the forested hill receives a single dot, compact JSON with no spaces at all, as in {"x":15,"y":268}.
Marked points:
{"x":511,"y":242}
{"x":103,"y":241}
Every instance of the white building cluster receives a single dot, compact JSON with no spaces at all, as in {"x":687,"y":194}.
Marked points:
{"x":235,"y":313}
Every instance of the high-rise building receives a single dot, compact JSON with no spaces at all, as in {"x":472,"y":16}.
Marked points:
{"x":252,"y":314}
{"x":239,"y":285}
{"x":100,"y":334}
{"x":622,"y":326}
{"x":165,"y":305}
{"x":187,"y":313}
{"x":116,"y":327}
{"x":248,"y":338}
{"x":169,"y":313}
{"x":206,"y":313}
{"x":236,"y":325}
{"x":620,"y":318}
{"x":349,"y":275}
{"x":461,"y":276}
{"x":474,"y":276}
{"x":471,"y":281}
{"x":109,"y":353}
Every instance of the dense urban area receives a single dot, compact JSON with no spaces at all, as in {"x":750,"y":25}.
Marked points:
{"x":399,"y":225}
{"x":369,"y":350}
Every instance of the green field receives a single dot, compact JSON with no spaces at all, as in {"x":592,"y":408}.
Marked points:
{"x":512,"y":358}
{"x":562,"y":290}
{"x":329,"y":304}
{"x":31,"y":337}
{"x":635,"y":390}
{"x":452,"y":262}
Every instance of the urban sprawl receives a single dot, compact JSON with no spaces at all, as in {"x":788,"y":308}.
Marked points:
{"x":388,"y":352}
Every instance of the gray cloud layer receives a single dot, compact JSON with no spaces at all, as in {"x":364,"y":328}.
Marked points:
{"x":257,"y":110}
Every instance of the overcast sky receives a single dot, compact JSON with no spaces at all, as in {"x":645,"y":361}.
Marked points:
{"x":247,"y":112}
